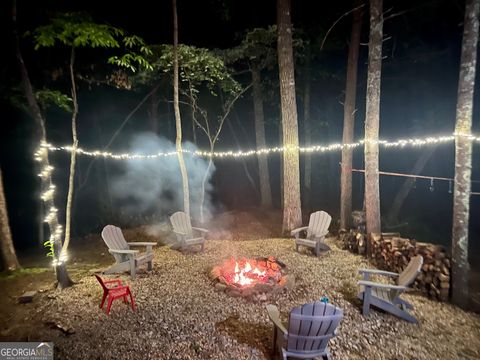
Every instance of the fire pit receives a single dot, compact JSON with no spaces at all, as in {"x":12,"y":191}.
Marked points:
{"x":249,"y":277}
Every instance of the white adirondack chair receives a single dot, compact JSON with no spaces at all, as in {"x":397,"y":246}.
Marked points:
{"x":316,"y":230}
{"x":187,"y":235}
{"x":310,"y":327}
{"x":125,"y":258}
{"x":386,"y":296}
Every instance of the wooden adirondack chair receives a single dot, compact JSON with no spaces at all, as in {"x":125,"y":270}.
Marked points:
{"x":387,"y":297}
{"x":310,"y":327}
{"x":316,"y":230}
{"x":187,"y":235}
{"x":125,"y":258}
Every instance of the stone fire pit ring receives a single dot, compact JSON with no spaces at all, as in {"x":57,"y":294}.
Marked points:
{"x":267,"y":275}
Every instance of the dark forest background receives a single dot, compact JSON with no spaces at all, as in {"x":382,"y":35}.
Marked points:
{"x":419,"y":92}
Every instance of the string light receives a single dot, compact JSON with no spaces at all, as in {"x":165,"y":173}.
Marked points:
{"x":51,"y":215}
{"x":414,"y":142}
{"x":48,"y":195}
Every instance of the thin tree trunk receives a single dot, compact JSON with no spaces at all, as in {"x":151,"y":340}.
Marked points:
{"x":204,"y":183}
{"x":463,"y":155}
{"x":212,"y":138}
{"x":73,"y":159}
{"x":242,"y":159}
{"x":263,"y":173}
{"x":407,"y":185}
{"x":307,"y":129}
{"x":349,"y":120}
{"x":178,"y":120}
{"x":42,"y":156}
{"x":9,"y":256}
{"x":292,"y":211}
{"x":194,"y":119}
{"x":153,"y":112}
{"x":372,"y":118}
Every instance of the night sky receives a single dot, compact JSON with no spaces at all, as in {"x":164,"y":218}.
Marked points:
{"x":419,"y":86}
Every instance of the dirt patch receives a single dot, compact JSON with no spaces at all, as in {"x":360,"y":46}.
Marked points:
{"x":254,"y":335}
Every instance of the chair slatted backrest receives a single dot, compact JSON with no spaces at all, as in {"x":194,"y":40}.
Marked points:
{"x":318,"y":224}
{"x":113,"y":237}
{"x":408,"y":275}
{"x":311,"y":326}
{"x":181,"y":223}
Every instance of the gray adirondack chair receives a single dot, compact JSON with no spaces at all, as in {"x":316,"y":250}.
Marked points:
{"x":316,"y":230}
{"x":387,"y":297}
{"x":310,"y":327}
{"x":187,"y":235}
{"x":125,"y":258}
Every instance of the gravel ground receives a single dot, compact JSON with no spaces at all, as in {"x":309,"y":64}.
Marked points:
{"x":181,"y":316}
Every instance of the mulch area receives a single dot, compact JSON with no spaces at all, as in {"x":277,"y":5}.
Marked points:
{"x":180,"y":315}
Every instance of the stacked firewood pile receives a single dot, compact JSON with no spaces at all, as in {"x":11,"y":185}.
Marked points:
{"x":391,"y":252}
{"x":353,"y":241}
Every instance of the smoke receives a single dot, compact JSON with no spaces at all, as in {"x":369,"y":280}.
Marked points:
{"x":153,"y":187}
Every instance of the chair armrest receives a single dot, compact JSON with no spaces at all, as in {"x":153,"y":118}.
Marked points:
{"x":113,"y":281}
{"x":274,"y":316}
{"x":381,"y":286}
{"x":377,"y":272}
{"x":200,"y":229}
{"x":136,"y":243}
{"x":322,"y":234}
{"x":112,"y":251}
{"x":296,"y":231}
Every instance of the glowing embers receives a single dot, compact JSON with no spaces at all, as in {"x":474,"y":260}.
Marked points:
{"x":252,"y":277}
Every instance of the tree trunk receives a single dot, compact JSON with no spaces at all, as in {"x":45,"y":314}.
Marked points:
{"x":307,"y":129}
{"x":193,"y":99}
{"x":42,"y":156}
{"x":242,"y":159}
{"x":178,"y":121}
{"x":349,"y":121}
{"x":463,"y":155}
{"x":372,"y":118}
{"x":263,"y":173}
{"x":153,"y":112}
{"x":73,"y":159}
{"x":292,"y":212}
{"x":407,"y":185}
{"x":204,"y":184}
{"x":9,"y":256}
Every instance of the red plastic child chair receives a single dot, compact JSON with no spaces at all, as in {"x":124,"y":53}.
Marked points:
{"x":117,"y":291}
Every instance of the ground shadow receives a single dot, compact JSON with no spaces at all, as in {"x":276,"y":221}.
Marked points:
{"x":252,"y":334}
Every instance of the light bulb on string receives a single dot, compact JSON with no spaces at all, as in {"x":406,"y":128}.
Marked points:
{"x":450,"y":186}
{"x":431,"y":185}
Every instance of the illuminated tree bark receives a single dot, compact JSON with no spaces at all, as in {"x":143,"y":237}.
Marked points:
{"x":292,"y":212}
{"x":7,"y":250}
{"x":463,"y":155}
{"x":178,"y":120}
{"x":60,"y":266}
{"x":372,"y":118}
{"x":349,"y":120}
{"x":73,"y":158}
{"x":265,"y":190}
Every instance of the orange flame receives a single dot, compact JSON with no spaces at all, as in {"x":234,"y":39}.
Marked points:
{"x":247,"y":275}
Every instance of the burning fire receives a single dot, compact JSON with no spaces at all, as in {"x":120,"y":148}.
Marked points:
{"x":247,"y":275}
{"x":248,"y":272}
